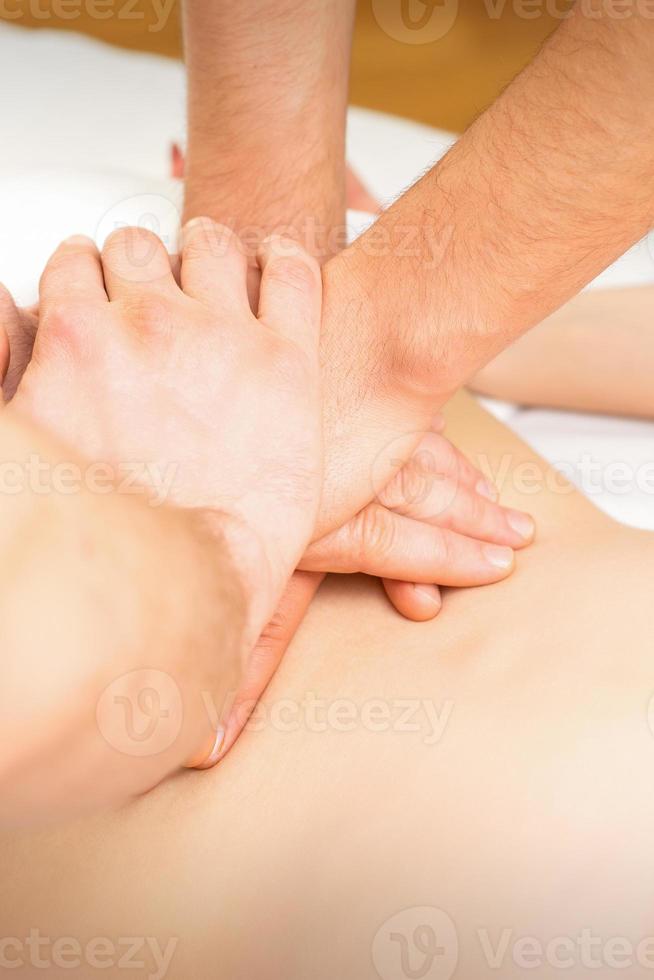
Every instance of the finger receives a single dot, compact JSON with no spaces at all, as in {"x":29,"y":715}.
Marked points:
{"x":380,"y":542}
{"x":262,"y":664}
{"x":419,"y":602}
{"x":440,"y":486}
{"x":73,"y":275}
{"x":19,"y":327}
{"x":436,"y":457}
{"x":177,"y":162}
{"x":135,"y":264}
{"x":443,"y":503}
{"x":8,"y":317}
{"x":4,"y":360}
{"x":214,"y":265}
{"x":291,"y":291}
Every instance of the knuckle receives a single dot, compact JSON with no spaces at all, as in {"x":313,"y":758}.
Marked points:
{"x":414,"y":487}
{"x":477,"y":510}
{"x":149,"y":315}
{"x":375,"y":532}
{"x":129,"y":250}
{"x":123,"y":238}
{"x":204,"y":237}
{"x":67,"y":324}
{"x":293,"y":271}
{"x":441,"y":548}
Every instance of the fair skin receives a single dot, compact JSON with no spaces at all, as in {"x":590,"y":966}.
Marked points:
{"x":267,"y":99}
{"x":90,"y":603}
{"x":114,"y":339}
{"x":522,"y":806}
{"x":580,"y":357}
{"x":550,"y":185}
{"x":132,"y":368}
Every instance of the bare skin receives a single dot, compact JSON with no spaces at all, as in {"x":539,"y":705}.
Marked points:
{"x":595,"y":354}
{"x":524,"y":802}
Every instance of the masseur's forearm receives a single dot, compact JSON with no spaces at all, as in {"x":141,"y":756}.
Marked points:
{"x":267,"y":84}
{"x":546,"y":189}
{"x":101,"y":593}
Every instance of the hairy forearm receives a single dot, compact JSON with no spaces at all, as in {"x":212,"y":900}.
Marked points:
{"x":546,"y":189}
{"x":267,"y":96}
{"x":94,"y":614}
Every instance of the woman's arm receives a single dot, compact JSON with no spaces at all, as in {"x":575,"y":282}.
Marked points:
{"x":595,"y":354}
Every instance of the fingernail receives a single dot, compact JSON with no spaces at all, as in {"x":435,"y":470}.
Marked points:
{"x":430,"y":593}
{"x":214,"y":755}
{"x":488,"y":490}
{"x":499,"y":556}
{"x":79,"y":240}
{"x":521,"y":523}
{"x":196,"y":222}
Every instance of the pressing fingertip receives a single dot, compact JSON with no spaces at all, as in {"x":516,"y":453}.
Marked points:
{"x":429,"y":597}
{"x":499,"y":557}
{"x":416,"y":601}
{"x":198,"y":221}
{"x":195,"y":224}
{"x":523,"y":524}
{"x":79,"y":240}
{"x":208,"y":759}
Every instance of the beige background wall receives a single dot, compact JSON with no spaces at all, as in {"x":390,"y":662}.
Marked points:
{"x":468,"y":50}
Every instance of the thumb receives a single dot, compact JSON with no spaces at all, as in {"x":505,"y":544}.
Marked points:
{"x":264,"y":661}
{"x":4,"y":359}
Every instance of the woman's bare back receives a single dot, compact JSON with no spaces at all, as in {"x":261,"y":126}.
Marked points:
{"x":467,"y":798}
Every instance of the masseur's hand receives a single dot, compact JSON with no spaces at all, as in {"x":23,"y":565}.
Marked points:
{"x":212,"y":407}
{"x":20,"y":326}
